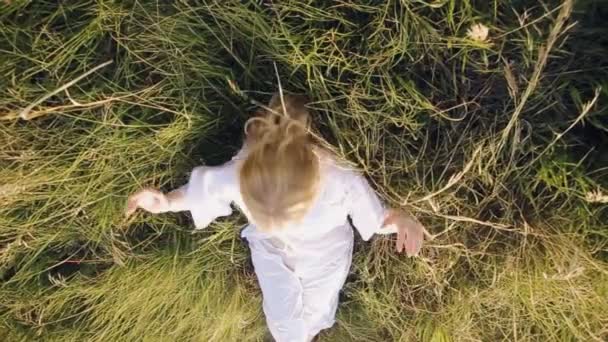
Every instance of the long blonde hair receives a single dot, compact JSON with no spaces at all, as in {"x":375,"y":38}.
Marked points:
{"x":279,"y":177}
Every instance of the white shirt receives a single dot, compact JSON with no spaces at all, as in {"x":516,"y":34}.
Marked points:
{"x":344,"y":193}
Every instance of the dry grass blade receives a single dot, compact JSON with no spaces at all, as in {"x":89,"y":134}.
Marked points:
{"x":543,"y":55}
{"x":25,"y":113}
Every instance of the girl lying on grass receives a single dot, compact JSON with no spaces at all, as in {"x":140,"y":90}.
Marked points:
{"x":297,"y":197}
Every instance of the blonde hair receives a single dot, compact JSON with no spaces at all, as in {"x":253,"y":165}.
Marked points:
{"x":279,"y":177}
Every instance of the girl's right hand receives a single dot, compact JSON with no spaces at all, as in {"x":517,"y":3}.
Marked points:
{"x":150,"y":200}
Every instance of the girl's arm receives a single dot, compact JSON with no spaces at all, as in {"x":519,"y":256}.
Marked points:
{"x":154,"y":201}
{"x":207,"y":195}
{"x":370,"y":217}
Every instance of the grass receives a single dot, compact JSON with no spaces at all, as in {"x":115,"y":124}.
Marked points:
{"x":498,"y":145}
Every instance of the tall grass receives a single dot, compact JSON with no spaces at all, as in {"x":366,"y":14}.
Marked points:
{"x":497,"y":144}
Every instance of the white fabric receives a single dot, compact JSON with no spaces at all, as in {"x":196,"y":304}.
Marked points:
{"x":300,"y":268}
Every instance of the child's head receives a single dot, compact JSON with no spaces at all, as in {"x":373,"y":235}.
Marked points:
{"x":279,"y":177}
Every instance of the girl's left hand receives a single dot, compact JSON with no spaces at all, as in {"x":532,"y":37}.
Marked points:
{"x":410,"y":232}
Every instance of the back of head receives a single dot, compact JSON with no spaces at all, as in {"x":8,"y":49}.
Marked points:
{"x":279,"y":178}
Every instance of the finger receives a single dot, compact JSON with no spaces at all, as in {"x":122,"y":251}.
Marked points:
{"x":401,"y":237}
{"x":131,"y":206}
{"x":410,"y":247}
{"x":414,"y":243}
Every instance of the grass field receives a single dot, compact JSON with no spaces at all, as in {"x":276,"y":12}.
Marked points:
{"x":497,"y":141}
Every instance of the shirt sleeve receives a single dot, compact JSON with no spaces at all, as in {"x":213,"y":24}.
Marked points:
{"x":205,"y":196}
{"x":365,"y":208}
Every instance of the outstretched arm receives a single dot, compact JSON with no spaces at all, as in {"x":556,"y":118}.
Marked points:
{"x":155,"y":202}
{"x":206,"y":195}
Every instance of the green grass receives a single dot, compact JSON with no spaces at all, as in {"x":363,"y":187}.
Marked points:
{"x":499,"y":146}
